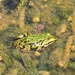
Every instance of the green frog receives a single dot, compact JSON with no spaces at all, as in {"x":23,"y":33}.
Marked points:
{"x":33,"y":42}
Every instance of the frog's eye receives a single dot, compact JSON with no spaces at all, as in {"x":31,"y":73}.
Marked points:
{"x":20,"y":36}
{"x":25,"y":34}
{"x":25,"y":41}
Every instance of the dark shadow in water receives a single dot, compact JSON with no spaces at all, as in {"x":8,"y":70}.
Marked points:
{"x":10,"y":4}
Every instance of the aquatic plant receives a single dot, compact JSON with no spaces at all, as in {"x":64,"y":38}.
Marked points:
{"x":2,"y":68}
{"x":19,"y":67}
{"x":29,"y":65}
{"x":42,"y":65}
{"x":21,"y":5}
{"x":20,"y":11}
{"x":65,"y":14}
{"x":2,"y":46}
{"x":66,"y":53}
{"x":71,"y":65}
{"x":6,"y":59}
{"x":17,"y":54}
{"x":14,"y":71}
{"x":56,"y":20}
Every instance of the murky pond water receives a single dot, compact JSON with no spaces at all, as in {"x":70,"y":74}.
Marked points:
{"x":45,"y":34}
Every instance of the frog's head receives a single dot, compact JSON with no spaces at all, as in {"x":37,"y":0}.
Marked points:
{"x":49,"y":40}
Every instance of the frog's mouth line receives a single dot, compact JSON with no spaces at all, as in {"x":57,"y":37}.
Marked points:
{"x":45,"y":45}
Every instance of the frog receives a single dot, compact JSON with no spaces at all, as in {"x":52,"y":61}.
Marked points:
{"x":33,"y":42}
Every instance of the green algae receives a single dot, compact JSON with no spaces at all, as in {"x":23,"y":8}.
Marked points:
{"x":17,"y":55}
{"x":6,"y":59}
{"x":42,"y":65}
{"x":14,"y":72}
{"x":25,"y":69}
{"x":71,"y":65}
{"x":2,"y":68}
{"x":2,"y":46}
{"x":65,"y":14}
{"x":18,"y":65}
{"x":29,"y":65}
{"x":56,"y":21}
{"x":21,"y":4}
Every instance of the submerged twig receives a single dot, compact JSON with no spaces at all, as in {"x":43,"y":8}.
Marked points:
{"x":66,"y":53}
{"x":20,"y":10}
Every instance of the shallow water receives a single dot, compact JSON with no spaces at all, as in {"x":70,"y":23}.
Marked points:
{"x":58,"y":18}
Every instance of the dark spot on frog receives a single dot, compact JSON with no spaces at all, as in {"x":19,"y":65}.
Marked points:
{"x":33,"y":36}
{"x":23,"y":46}
{"x":33,"y":49}
{"x":19,"y":43}
{"x":21,"y":40}
{"x":25,"y":41}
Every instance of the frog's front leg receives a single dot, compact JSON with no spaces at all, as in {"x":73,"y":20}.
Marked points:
{"x":39,"y":48}
{"x":27,"y":48}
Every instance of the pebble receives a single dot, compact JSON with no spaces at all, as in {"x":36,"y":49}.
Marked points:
{"x":43,"y":72}
{"x":36,"y":18}
{"x":1,"y":58}
{"x":40,"y":27}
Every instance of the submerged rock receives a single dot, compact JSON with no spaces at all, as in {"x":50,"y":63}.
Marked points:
{"x":40,"y":27}
{"x":43,"y":72}
{"x":36,"y":18}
